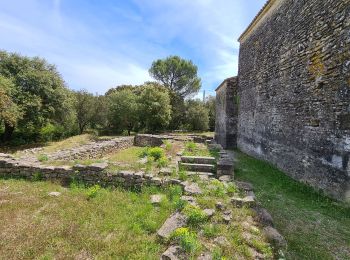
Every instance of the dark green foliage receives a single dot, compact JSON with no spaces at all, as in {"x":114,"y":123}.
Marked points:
{"x":177,"y":74}
{"x":197,"y":116}
{"x":123,"y":110}
{"x":36,"y":93}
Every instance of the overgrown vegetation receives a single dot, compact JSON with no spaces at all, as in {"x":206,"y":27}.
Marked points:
{"x":36,"y":105}
{"x":315,"y":226}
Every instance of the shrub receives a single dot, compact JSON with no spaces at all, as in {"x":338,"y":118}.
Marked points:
{"x":195,"y":216}
{"x":156,"y":153}
{"x":43,"y":158}
{"x":187,"y":240}
{"x":93,"y":191}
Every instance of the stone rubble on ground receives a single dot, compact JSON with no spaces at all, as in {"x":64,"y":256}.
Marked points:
{"x":174,"y":222}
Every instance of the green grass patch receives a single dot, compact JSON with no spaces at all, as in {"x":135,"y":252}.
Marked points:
{"x":113,"y":224}
{"x":315,"y":226}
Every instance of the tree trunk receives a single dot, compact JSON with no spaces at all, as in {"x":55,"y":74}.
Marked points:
{"x":8,"y":132}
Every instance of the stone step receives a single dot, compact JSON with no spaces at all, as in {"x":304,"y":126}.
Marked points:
{"x":193,"y":167}
{"x":198,"y":159}
{"x":209,"y":174}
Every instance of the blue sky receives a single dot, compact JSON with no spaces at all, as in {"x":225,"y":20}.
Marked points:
{"x":99,"y":44}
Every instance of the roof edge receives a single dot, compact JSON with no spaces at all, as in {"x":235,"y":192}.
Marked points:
{"x":258,"y":18}
{"x":222,"y":83}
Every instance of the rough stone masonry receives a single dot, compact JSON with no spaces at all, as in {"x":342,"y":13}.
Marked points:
{"x":294,"y":91}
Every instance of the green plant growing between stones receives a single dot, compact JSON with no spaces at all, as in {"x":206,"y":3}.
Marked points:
{"x":191,"y":146}
{"x":162,"y":162}
{"x":43,"y":158}
{"x":182,"y":175}
{"x":37,"y":176}
{"x":168,"y":145}
{"x":210,"y":230}
{"x":217,"y":254}
{"x":188,"y":240}
{"x":156,"y":153}
{"x":195,"y":216}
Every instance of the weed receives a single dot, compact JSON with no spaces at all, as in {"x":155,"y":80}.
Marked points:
{"x":43,"y":158}
{"x":195,"y":216}
{"x":182,"y":175}
{"x":190,"y":146}
{"x":174,"y":192}
{"x":210,"y":230}
{"x":93,"y":191}
{"x":168,"y":145}
{"x":37,"y":176}
{"x":188,"y":240}
{"x":217,"y":254}
{"x":162,"y":162}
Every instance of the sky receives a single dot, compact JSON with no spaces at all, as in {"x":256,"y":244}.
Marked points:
{"x":100,"y":44}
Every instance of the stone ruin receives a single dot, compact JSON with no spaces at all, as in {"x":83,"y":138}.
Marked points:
{"x":290,"y":104}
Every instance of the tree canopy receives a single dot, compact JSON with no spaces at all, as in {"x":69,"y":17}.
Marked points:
{"x":37,"y":93}
{"x":177,"y":74}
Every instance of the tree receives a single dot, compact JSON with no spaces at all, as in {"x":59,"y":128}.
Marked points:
{"x":84,"y":108}
{"x":177,"y":74}
{"x":210,"y":104}
{"x":9,"y":111}
{"x":197,"y":116}
{"x":123,"y":110}
{"x":38,"y":92}
{"x":154,"y":107}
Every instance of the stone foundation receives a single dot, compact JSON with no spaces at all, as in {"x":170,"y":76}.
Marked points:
{"x":93,"y":150}
{"x":89,"y":175}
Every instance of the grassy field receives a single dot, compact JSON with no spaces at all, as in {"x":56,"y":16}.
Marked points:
{"x":315,"y":226}
{"x":79,"y":224}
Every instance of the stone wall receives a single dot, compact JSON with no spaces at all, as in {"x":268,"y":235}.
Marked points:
{"x":226,"y":114}
{"x":93,"y":150}
{"x":294,"y":89}
{"x":90,"y":175}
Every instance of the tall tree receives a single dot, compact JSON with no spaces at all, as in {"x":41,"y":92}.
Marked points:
{"x":123,"y":110}
{"x":177,"y":74}
{"x":38,"y":92}
{"x":154,"y":107}
{"x":84,"y":108}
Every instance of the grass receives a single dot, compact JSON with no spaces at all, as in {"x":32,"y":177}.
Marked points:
{"x":82,"y":223}
{"x":315,"y":226}
{"x":130,"y":155}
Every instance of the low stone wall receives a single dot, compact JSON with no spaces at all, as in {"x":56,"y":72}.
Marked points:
{"x":144,"y":140}
{"x":93,"y":150}
{"x":93,"y":174}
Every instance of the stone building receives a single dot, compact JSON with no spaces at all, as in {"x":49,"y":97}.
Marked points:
{"x":226,"y":113}
{"x":294,"y":92}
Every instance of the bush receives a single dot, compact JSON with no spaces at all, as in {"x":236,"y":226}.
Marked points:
{"x":195,"y":216}
{"x":156,"y":153}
